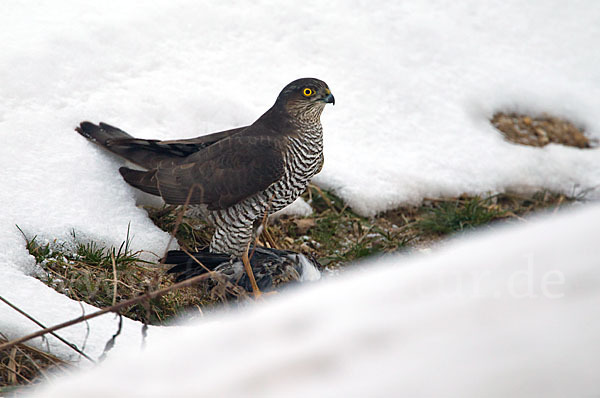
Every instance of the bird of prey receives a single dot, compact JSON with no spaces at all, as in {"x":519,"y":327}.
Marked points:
{"x":235,"y":176}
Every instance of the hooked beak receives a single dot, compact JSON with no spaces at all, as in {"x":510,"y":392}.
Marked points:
{"x":329,"y":99}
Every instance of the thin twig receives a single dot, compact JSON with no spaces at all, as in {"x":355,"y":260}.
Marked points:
{"x":39,"y":369}
{"x":325,"y":198}
{"x":12,"y":366}
{"x":178,"y":221}
{"x":113,"y":308}
{"x":197,"y":261}
{"x":115,"y":280}
{"x":56,"y":361}
{"x":213,"y":274}
{"x":15,"y":373}
{"x":70,"y":345}
{"x":364,"y":235}
{"x":111,"y":343}
{"x":269,"y":238}
{"x":560,"y":200}
{"x":87,"y":327}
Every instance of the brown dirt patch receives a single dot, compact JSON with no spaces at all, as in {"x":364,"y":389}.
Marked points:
{"x":540,"y":131}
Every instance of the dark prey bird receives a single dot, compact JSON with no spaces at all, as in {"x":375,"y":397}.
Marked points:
{"x":271,"y":267}
{"x":233,"y":177}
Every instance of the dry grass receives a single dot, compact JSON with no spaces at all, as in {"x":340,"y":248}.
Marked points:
{"x":22,"y":366}
{"x":102,"y":276}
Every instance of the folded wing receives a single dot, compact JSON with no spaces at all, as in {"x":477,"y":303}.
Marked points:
{"x":219,"y":175}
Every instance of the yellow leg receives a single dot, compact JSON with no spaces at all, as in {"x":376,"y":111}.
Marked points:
{"x":248,"y":267}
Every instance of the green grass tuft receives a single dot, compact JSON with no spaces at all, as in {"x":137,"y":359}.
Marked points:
{"x":449,"y":217}
{"x":86,"y":273}
{"x":38,"y":251}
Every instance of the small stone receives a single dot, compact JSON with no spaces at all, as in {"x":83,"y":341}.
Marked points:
{"x":288,"y":240}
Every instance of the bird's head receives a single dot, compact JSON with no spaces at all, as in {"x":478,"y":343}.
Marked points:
{"x":305,"y":98}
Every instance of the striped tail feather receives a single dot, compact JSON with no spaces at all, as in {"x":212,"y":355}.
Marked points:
{"x":147,"y":153}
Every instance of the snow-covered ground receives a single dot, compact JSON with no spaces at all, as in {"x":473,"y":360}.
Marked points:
{"x":513,"y":313}
{"x":415,"y":84}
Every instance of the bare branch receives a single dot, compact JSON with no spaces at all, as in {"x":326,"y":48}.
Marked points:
{"x":115,"y":280}
{"x":113,"y":308}
{"x":70,"y":345}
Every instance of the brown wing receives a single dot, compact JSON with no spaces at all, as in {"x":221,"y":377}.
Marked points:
{"x":219,"y":176}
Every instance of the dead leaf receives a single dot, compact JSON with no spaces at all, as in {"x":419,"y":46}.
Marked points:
{"x":304,"y":224}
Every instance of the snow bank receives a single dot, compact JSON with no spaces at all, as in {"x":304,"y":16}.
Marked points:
{"x":51,"y":308}
{"x":509,"y":313}
{"x":415,"y":84}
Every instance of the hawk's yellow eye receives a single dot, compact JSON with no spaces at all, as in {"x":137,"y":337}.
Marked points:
{"x":308,"y":92}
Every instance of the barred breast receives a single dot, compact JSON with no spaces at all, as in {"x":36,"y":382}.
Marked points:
{"x":303,"y":159}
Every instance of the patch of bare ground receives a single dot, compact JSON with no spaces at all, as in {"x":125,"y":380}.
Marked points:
{"x":333,"y":234}
{"x":540,"y":131}
{"x":337,"y":236}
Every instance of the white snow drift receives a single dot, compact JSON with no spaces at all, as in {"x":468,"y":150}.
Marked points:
{"x":514,"y":313}
{"x":415,"y":84}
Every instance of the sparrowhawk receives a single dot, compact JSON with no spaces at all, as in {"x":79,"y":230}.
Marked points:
{"x":233,"y":176}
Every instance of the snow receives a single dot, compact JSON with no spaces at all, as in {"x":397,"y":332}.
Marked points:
{"x":299,"y":207}
{"x":415,"y":84}
{"x":52,"y":308}
{"x":507,"y":313}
